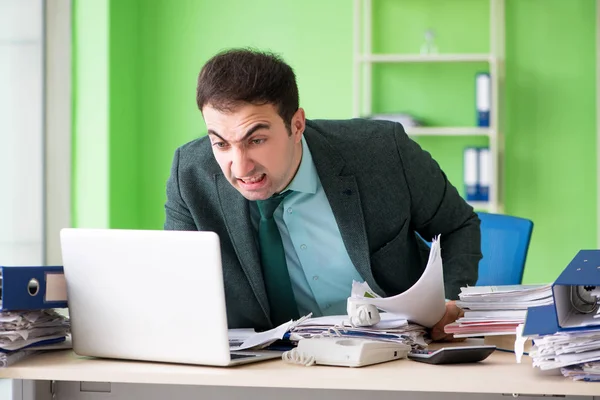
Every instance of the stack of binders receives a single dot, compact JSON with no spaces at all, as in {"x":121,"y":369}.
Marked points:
{"x":566,"y":333}
{"x":29,"y":322}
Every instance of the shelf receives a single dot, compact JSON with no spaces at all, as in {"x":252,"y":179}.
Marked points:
{"x":423,"y":58}
{"x":449,"y":131}
{"x":480,"y":205}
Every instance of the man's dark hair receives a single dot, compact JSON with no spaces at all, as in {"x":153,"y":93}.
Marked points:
{"x":244,"y":75}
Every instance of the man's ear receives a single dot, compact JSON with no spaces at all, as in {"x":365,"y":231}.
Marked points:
{"x":298,"y":124}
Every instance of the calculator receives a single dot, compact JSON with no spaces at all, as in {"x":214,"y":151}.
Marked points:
{"x":452,"y":355}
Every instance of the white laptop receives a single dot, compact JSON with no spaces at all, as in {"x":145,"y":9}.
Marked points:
{"x":149,"y":295}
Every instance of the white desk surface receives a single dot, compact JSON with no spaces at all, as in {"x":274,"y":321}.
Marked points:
{"x":499,"y":373}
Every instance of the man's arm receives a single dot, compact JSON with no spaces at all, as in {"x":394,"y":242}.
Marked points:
{"x":178,"y":216}
{"x":437,"y":208}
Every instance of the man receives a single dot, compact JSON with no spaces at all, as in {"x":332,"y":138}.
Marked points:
{"x":305,"y":207}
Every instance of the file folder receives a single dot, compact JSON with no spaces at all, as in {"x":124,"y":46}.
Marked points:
{"x":483,"y":98}
{"x":576,"y":291}
{"x":32,"y":288}
{"x":484,"y":176}
{"x":471,"y":161}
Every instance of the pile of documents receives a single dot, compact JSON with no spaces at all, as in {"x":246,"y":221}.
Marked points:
{"x":566,"y":333}
{"x":391,"y":328}
{"x":567,"y":349}
{"x":576,"y":351}
{"x":24,"y":332}
{"x":589,"y":372}
{"x":496,"y":310}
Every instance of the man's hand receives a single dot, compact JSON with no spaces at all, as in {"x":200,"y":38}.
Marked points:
{"x":452,"y":314}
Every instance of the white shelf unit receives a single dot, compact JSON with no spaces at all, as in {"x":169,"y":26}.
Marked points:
{"x":364,"y":59}
{"x":425,"y":58}
{"x":452,"y":131}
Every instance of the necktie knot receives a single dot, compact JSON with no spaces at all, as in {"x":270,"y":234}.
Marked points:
{"x":268,"y":206}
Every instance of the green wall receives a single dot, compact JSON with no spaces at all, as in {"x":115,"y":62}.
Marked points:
{"x":90,"y":185}
{"x":551,"y":139}
{"x":125,"y":135}
{"x":178,"y":40}
{"x":157,"y":47}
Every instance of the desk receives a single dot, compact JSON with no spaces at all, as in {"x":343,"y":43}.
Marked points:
{"x":499,"y":374}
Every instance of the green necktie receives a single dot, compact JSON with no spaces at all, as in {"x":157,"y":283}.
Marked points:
{"x":274,"y":267}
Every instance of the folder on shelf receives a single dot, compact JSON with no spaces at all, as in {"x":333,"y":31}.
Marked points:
{"x":471,"y":161}
{"x":32,"y":287}
{"x":483,"y":98}
{"x":484,"y":174}
{"x":577,"y":292}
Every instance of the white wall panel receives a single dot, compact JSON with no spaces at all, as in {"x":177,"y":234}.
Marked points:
{"x":21,"y":132}
{"x":20,"y":20}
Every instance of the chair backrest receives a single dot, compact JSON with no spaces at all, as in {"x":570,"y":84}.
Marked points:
{"x":504,"y":244}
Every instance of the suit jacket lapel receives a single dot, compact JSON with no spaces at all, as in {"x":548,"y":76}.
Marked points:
{"x":344,"y":199}
{"x":237,"y":219}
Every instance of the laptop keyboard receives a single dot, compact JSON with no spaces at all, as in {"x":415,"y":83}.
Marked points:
{"x":236,"y":356}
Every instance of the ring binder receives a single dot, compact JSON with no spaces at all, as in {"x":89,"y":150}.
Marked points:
{"x":32,"y":288}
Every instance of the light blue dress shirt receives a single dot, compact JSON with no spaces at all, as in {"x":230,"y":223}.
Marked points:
{"x":318,"y":263}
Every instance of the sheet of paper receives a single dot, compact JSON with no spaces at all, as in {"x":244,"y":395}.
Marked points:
{"x":388,"y":321}
{"x":263,"y":339}
{"x":238,"y":336}
{"x":424,"y":303}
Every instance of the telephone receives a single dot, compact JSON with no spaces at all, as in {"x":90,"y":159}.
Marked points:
{"x":344,"y":352}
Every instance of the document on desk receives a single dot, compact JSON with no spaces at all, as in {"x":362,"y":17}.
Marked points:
{"x":424,"y":303}
{"x":388,"y":321}
{"x":238,"y":336}
{"x":253,"y":340}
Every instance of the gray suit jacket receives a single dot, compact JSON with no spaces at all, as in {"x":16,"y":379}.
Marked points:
{"x":382,"y":188}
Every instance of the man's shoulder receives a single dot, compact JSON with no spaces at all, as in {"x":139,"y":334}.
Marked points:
{"x":355,"y":128}
{"x":197,"y":153}
{"x":201,"y":144}
{"x":362,"y":135}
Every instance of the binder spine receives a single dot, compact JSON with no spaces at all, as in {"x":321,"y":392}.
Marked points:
{"x":470,"y":174}
{"x":32,"y":288}
{"x":483,"y":98}
{"x":484,"y":177}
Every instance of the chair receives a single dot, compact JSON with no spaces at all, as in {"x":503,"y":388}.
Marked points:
{"x":504,"y":244}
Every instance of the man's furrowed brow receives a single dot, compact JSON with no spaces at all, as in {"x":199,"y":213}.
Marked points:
{"x":254,"y":129}
{"x":211,"y":132}
{"x":249,"y":133}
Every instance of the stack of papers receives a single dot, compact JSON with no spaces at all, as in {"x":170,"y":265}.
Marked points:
{"x":576,"y":352}
{"x":589,"y":372}
{"x":391,"y":328}
{"x":8,"y":359}
{"x":496,"y":310}
{"x":29,"y":330}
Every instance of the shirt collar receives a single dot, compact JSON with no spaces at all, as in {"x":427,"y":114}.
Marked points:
{"x":306,"y":177}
